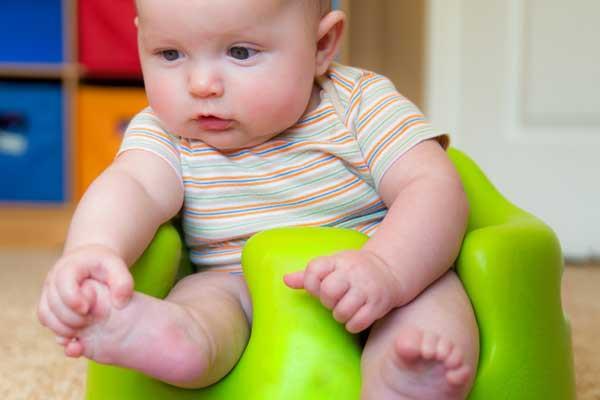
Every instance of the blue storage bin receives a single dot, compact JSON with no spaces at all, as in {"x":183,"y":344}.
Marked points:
{"x":31,"y":142}
{"x":31,"y":31}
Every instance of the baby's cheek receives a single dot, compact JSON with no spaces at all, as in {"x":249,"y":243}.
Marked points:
{"x":280,"y":107}
{"x":165,"y":99}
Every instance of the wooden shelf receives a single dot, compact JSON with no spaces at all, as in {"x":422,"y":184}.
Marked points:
{"x":43,"y":226}
{"x":39,"y":71}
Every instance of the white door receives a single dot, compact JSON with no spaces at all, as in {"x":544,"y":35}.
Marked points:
{"x":518,"y":84}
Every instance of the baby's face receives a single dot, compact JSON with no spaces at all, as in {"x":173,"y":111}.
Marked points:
{"x":230,"y":73}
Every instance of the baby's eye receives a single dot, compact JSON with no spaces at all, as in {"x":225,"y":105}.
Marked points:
{"x":241,"y":53}
{"x":170,"y":54}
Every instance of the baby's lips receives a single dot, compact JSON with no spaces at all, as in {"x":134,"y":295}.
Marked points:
{"x":213,"y":123}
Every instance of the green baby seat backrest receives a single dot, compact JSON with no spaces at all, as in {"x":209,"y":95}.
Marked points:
{"x":510,"y":265}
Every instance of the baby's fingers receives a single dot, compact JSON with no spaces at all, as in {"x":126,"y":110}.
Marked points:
{"x":68,"y":282}
{"x":120,"y":282}
{"x":62,"y":340}
{"x":333,"y":288}
{"x":49,"y":320}
{"x":63,"y":312}
{"x":295,"y":280}
{"x":348,"y":306}
{"x":362,"y":319}
{"x":317,"y":270}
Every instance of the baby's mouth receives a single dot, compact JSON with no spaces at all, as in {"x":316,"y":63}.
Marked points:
{"x":213,"y":123}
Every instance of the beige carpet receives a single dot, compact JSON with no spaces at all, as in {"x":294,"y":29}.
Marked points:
{"x":32,"y":367}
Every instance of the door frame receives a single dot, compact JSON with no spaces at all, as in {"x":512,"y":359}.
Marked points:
{"x":442,"y":64}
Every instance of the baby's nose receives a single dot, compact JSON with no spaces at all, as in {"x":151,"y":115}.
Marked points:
{"x":203,"y":82}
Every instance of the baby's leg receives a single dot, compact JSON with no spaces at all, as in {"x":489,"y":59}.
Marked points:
{"x":425,"y":350}
{"x":191,"y":339}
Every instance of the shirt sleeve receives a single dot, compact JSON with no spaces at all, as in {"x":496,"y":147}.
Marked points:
{"x":387,"y":124}
{"x":145,"y":132}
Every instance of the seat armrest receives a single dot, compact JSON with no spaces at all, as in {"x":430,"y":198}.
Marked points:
{"x":512,"y":274}
{"x":155,"y":271}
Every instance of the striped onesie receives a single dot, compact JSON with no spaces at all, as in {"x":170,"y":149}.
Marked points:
{"x":323,"y":171}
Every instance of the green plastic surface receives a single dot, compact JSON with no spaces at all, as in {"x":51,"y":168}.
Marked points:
{"x":510,"y":264}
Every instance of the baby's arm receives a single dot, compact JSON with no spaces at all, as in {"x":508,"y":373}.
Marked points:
{"x":124,"y":206}
{"x":414,"y":245}
{"x":115,"y":220}
{"x":422,"y":233}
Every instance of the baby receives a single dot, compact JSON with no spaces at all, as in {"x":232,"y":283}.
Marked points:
{"x":252,"y":126}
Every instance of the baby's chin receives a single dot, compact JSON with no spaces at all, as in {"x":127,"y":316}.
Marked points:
{"x":228,"y":140}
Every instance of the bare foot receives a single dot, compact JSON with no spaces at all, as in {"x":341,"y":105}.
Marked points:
{"x":148,"y":335}
{"x":425,"y":366}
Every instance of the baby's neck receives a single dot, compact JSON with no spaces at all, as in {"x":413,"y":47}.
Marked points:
{"x":315,"y":98}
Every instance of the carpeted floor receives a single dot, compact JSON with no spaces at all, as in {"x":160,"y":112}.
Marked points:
{"x":32,"y":367}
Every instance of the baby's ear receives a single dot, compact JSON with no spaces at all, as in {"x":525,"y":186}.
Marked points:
{"x":329,"y":39}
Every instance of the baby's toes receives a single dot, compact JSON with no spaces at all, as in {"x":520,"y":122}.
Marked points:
{"x":429,"y":345}
{"x":455,"y":359}
{"x":459,"y":376}
{"x":444,"y":348}
{"x":74,"y":348}
{"x":408,"y":345}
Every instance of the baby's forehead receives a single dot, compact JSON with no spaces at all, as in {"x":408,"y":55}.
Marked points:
{"x":319,"y":6}
{"x":322,"y":5}
{"x":312,"y":10}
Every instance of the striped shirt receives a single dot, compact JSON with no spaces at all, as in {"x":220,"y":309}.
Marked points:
{"x":323,"y":171}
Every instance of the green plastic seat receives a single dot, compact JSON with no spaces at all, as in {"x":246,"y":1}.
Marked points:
{"x":510,"y":264}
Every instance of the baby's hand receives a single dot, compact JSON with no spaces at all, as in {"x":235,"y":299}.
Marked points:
{"x":66,"y":301}
{"x":357,"y":285}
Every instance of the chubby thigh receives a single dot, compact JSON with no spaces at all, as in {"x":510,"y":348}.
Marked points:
{"x":437,"y":327}
{"x":219,"y":309}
